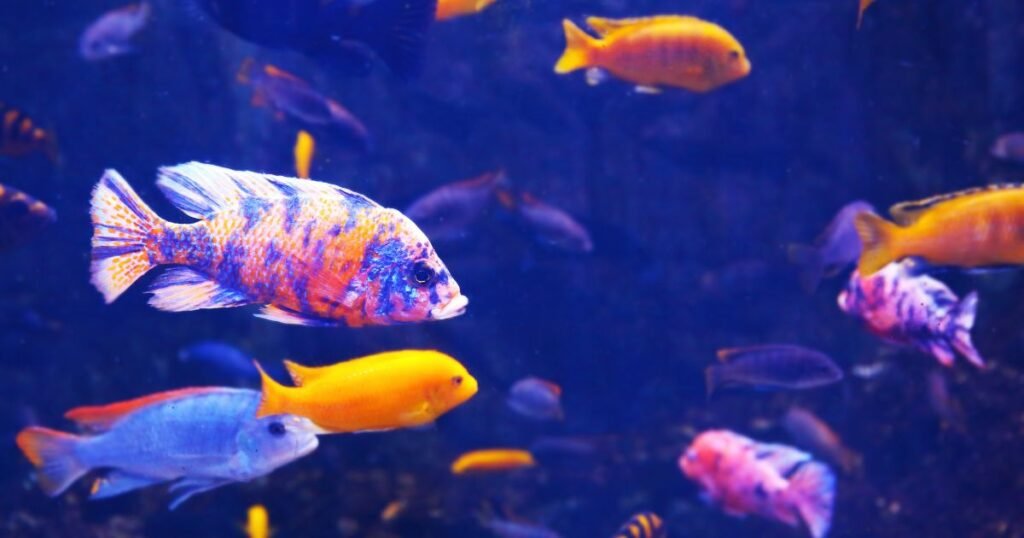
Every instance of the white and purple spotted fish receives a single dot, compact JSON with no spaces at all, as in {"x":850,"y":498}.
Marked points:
{"x":904,"y":307}
{"x":197,"y":438}
{"x":311,"y":253}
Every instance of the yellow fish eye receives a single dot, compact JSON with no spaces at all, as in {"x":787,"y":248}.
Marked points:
{"x":457,"y":380}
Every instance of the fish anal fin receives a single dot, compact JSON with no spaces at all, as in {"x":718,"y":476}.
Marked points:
{"x":302,"y":375}
{"x":102,"y":417}
{"x":187,"y":487}
{"x":648,"y":90}
{"x":182,"y":289}
{"x":290,"y":317}
{"x":907,"y":213}
{"x":118,"y":482}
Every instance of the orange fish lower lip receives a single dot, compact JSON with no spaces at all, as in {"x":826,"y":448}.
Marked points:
{"x":455,"y":307}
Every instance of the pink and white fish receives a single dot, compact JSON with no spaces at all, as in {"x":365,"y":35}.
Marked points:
{"x":744,"y":477}
{"x":903,"y":307}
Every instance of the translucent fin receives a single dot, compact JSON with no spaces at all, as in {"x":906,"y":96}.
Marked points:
{"x":187,"y":487}
{"x":182,"y":289}
{"x":812,"y":491}
{"x":102,"y":417}
{"x":958,"y":328}
{"x":282,"y":315}
{"x":117,"y":482}
{"x":595,"y":76}
{"x":52,"y":452}
{"x":396,"y":30}
{"x":812,"y":267}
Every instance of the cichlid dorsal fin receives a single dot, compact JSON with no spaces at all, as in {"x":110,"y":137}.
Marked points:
{"x":303,"y":374}
{"x":203,"y":190}
{"x":907,"y":213}
{"x":605,"y":27}
{"x":103,"y":417}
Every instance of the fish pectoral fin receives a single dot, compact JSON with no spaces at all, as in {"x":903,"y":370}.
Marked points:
{"x":182,"y":289}
{"x":418,"y":416}
{"x":187,"y":487}
{"x":118,"y":482}
{"x":648,"y":90}
{"x":596,"y":75}
{"x":283,"y":315}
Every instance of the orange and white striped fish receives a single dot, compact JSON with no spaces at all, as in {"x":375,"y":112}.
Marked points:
{"x":643,"y":525}
{"x":311,"y":253}
{"x":655,"y":52}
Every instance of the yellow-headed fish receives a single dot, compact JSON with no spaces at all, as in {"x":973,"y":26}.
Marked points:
{"x":305,"y":146}
{"x":653,"y":52}
{"x":492,"y":460}
{"x":398,"y":389}
{"x":450,"y":9}
{"x":973,"y":228}
{"x":258,"y":523}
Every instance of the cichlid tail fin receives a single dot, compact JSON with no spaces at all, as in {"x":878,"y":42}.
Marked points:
{"x":812,"y":266}
{"x":52,"y":453}
{"x":121,"y":225}
{"x":395,"y":30}
{"x":812,"y":492}
{"x":877,"y":237}
{"x":272,"y":401}
{"x":958,"y":326}
{"x":578,"y":45}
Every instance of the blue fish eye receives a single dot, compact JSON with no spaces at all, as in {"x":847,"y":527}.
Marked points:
{"x":276,"y":429}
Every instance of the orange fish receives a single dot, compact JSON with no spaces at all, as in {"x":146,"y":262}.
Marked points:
{"x":398,"y":389}
{"x":305,"y":147}
{"x":491,"y":460}
{"x":864,"y":5}
{"x":977,"y":227}
{"x":450,"y":9}
{"x":20,"y":136}
{"x":654,"y":52}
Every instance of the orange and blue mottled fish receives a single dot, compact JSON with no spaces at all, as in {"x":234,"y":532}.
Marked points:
{"x":305,"y":146}
{"x":22,"y":217}
{"x":643,"y":525}
{"x":310,"y":253}
{"x":20,"y":136}
{"x":288,"y":96}
{"x":655,"y":52}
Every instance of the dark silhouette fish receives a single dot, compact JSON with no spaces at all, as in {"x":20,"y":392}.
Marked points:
{"x":772,"y":366}
{"x":345,"y":34}
{"x":20,"y":136}
{"x":448,"y":212}
{"x":21,"y":217}
{"x":837,"y":247}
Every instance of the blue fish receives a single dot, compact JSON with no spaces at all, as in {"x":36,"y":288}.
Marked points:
{"x":222,"y":356}
{"x":536,"y":398}
{"x":196,"y":438}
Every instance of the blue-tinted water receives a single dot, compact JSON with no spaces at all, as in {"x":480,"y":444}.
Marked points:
{"x":690,"y":199}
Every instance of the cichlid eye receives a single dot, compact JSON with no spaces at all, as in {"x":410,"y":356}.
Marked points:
{"x":276,"y":429}
{"x":457,"y":380}
{"x":734,"y":55}
{"x":422,"y":273}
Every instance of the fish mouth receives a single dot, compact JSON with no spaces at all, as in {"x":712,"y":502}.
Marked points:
{"x":456,"y":307}
{"x":305,"y":446}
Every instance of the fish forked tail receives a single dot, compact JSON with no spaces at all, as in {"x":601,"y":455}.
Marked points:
{"x":52,"y":453}
{"x":812,"y":266}
{"x":958,"y":326}
{"x":121,"y":225}
{"x":812,"y":492}
{"x":578,"y":45}
{"x":876,"y":235}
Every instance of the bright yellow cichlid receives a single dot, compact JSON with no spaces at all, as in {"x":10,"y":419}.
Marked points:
{"x":492,"y":460}
{"x":978,"y":227}
{"x":258,"y":523}
{"x":397,"y":389}
{"x":305,"y":146}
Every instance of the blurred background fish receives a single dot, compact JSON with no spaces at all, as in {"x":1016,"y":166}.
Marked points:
{"x":22,"y":217}
{"x":450,"y":211}
{"x":771,"y":366}
{"x":257,"y":524}
{"x":111,"y":35}
{"x":451,"y":9}
{"x":835,"y":249}
{"x":643,"y":525}
{"x":20,"y":136}
{"x":1009,"y":147}
{"x":536,"y":398}
{"x":549,"y":225}
{"x":812,"y":433}
{"x":491,"y":460}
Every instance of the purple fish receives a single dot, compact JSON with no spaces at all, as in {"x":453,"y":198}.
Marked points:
{"x":550,"y":225}
{"x":814,"y":434}
{"x":111,"y":34}
{"x":836,"y":248}
{"x":772,"y":367}
{"x":197,"y":438}
{"x":903,"y":307}
{"x":448,"y":212}
{"x":536,"y":398}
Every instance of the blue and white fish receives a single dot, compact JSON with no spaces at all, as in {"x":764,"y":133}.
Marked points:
{"x":196,"y":438}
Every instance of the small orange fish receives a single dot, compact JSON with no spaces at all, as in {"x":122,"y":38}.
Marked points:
{"x":864,"y":5}
{"x":491,"y":460}
{"x":398,"y":389}
{"x":305,"y":147}
{"x":973,"y":228}
{"x":20,"y":136}
{"x":450,"y":9}
{"x":653,"y":52}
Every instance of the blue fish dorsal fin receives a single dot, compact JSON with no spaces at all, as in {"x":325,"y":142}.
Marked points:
{"x":907,"y":213}
{"x":202,"y":190}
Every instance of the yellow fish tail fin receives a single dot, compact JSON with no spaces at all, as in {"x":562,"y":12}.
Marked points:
{"x":272,"y":400}
{"x":877,"y":237}
{"x":577,"y":49}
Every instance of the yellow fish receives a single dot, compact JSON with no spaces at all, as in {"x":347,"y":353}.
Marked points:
{"x":450,"y":9}
{"x":978,"y":227}
{"x":305,"y":146}
{"x":398,"y":389}
{"x":491,"y":460}
{"x":258,"y":523}
{"x":653,"y":52}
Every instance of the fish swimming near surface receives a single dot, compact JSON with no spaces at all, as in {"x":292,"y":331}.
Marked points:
{"x":305,"y":146}
{"x":197,"y":438}
{"x":655,"y":52}
{"x":550,"y":225}
{"x":902,"y":305}
{"x":451,"y":9}
{"x":812,"y":433}
{"x":311,"y":253}
{"x":976,"y":227}
{"x":1009,"y":147}
{"x":111,"y":35}
{"x":772,"y":366}
{"x":449,"y":212}
{"x":257,"y":524}
{"x":397,"y":389}
{"x":745,"y":477}
{"x":836,"y":248}
{"x":536,"y":398}
{"x":643,"y":525}
{"x":491,"y":460}
{"x":20,"y":136}
{"x":288,"y":96}
{"x":22,"y":217}
{"x":343,"y":34}
{"x":861,"y":8}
